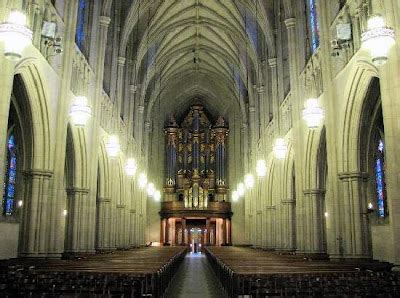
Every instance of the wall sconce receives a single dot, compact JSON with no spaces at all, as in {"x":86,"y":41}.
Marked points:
{"x":113,"y":146}
{"x":131,"y":167}
{"x":249,"y":181}
{"x":15,"y":35}
{"x":313,"y":114}
{"x":235,"y":196}
{"x":80,"y":112}
{"x":151,"y":189}
{"x":157,"y":196}
{"x":241,"y":189}
{"x":280,"y":148}
{"x":378,"y":40}
{"x":142,"y":180}
{"x":261,"y":168}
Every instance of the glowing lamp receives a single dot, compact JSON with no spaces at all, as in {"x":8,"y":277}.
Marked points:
{"x":15,"y":35}
{"x":150,"y":189}
{"x":142,"y":180}
{"x":20,"y":203}
{"x":370,"y":206}
{"x":157,"y":196}
{"x":249,"y":181}
{"x":112,"y":146}
{"x":80,"y":112}
{"x":65,"y":212}
{"x":261,"y":168}
{"x":313,"y":114}
{"x":235,"y":196}
{"x":326,"y":214}
{"x":280,"y":148}
{"x":241,"y":189}
{"x":378,"y":39}
{"x":131,"y":167}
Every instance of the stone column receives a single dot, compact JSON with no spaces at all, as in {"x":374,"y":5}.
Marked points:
{"x":34,"y":228}
{"x":272,"y":62}
{"x":76,"y":224}
{"x":314,"y":238}
{"x":131,"y":108}
{"x":263,"y":108}
{"x":120,"y":82}
{"x":270,"y":216}
{"x":132,"y":230}
{"x":355,"y":228}
{"x":6,"y":85}
{"x":104,"y":241}
{"x":184,"y":231}
{"x":208,"y":227}
{"x":120,"y":226}
{"x":166,"y":240}
{"x":139,"y":125}
{"x":288,"y":233}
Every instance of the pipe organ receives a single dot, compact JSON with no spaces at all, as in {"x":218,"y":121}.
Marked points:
{"x":196,"y":183}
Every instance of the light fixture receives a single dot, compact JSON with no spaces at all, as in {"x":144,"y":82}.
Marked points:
{"x":378,"y":39}
{"x":249,"y":181}
{"x":112,"y":146}
{"x":261,"y":168}
{"x":313,"y":113}
{"x":280,"y":148}
{"x":235,"y":196}
{"x":131,"y":167}
{"x":20,"y":203}
{"x":241,"y":189}
{"x":150,"y":189}
{"x":326,"y":214}
{"x":80,"y":112}
{"x":142,"y":180}
{"x":157,"y":196}
{"x":15,"y":35}
{"x":65,"y":212}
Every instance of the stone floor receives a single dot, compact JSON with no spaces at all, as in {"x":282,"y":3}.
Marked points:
{"x":195,"y":278}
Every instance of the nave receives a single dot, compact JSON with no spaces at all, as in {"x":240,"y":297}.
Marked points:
{"x":216,"y":272}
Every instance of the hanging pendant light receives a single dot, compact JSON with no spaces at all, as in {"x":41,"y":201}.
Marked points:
{"x":313,"y":114}
{"x":131,"y":167}
{"x":280,"y":148}
{"x":142,"y":180}
{"x":235,"y":196}
{"x":80,"y":112}
{"x":15,"y":35}
{"x":261,"y":168}
{"x":241,"y":189}
{"x":112,"y":146}
{"x":378,"y":39}
{"x":157,"y":196}
{"x":249,"y":181}
{"x":151,"y":189}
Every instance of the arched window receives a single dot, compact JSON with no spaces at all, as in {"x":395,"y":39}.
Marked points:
{"x":82,"y":34}
{"x":313,"y":23}
{"x":10,"y":177}
{"x":380,"y":179}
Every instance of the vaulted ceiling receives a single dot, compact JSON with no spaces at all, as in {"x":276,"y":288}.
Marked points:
{"x":210,"y":49}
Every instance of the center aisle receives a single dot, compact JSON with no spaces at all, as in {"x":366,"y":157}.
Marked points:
{"x":195,"y":278}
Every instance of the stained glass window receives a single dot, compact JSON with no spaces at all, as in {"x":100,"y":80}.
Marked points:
{"x":380,"y":180}
{"x":314,"y":26}
{"x":80,"y":25}
{"x":10,"y":177}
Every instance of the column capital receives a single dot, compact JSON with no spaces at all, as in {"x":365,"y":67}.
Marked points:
{"x":288,"y":202}
{"x":353,"y":175}
{"x":39,"y":172}
{"x":270,"y":207}
{"x":121,"y":206}
{"x":272,"y":62}
{"x":132,"y":211}
{"x":105,"y":21}
{"x":261,"y":89}
{"x":121,"y":61}
{"x":103,"y":200}
{"x":252,"y":109}
{"x":141,"y":109}
{"x":75,"y":190}
{"x":290,"y":23}
{"x":315,"y":191}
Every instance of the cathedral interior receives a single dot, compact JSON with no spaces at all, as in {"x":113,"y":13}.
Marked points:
{"x":179,"y":148}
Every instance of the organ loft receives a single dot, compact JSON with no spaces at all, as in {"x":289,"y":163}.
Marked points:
{"x":195,"y":210}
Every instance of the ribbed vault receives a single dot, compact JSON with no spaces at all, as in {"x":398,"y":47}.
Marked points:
{"x":211,"y":49}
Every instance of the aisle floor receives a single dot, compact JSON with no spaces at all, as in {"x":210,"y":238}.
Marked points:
{"x":195,"y":278}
